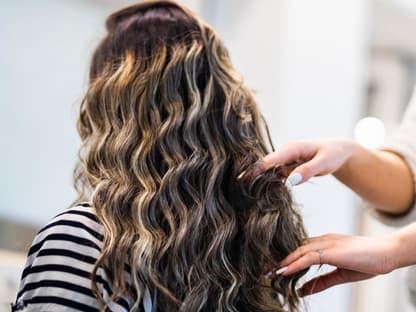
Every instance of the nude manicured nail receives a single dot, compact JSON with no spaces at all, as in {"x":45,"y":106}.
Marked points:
{"x":281,"y":270}
{"x":257,"y":168}
{"x":269,"y":275}
{"x":241,"y":175}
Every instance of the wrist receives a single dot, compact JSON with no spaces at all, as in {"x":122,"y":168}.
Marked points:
{"x":351,"y":151}
{"x":395,"y":251}
{"x":403,"y":243}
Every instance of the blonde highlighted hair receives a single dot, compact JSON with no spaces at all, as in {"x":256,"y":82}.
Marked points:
{"x":167,"y":127}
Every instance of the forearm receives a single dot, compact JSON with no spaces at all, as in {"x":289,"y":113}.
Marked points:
{"x":379,"y":177}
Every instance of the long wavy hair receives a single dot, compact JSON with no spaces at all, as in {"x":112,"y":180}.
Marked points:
{"x":169,"y":138}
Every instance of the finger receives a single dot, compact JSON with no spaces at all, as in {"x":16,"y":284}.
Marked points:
{"x":305,"y":262}
{"x":333,"y":278}
{"x":295,"y":255}
{"x":315,"y":167}
{"x":313,"y":239}
{"x":289,"y":153}
{"x":311,"y":244}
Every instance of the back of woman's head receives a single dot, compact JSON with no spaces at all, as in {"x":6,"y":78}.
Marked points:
{"x":167,"y":128}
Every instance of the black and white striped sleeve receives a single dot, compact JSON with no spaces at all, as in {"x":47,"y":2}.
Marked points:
{"x":57,"y":274}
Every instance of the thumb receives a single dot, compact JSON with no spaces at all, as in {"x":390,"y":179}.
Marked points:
{"x":306,"y":171}
{"x":333,"y":278}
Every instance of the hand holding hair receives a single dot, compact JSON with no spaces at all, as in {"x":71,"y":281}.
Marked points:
{"x":356,"y":258}
{"x":315,"y":158}
{"x":381,"y":177}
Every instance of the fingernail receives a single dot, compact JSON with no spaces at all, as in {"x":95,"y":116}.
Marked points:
{"x":269,"y":275}
{"x":241,"y":175}
{"x":288,"y":184}
{"x":281,"y":270}
{"x":257,"y":168}
{"x":294,"y":179}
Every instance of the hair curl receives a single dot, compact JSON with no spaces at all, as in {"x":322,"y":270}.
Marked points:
{"x":167,"y":127}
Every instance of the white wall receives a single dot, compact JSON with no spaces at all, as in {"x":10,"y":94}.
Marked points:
{"x":45,"y":50}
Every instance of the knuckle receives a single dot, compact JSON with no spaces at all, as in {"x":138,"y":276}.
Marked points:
{"x":297,"y":144}
{"x":314,"y":258}
{"x":302,"y":250}
{"x":328,"y":237}
{"x":331,"y":237}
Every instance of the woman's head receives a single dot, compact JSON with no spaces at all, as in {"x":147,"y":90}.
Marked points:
{"x":167,"y":128}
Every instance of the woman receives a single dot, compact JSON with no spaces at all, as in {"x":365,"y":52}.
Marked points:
{"x":169,"y":217}
{"x":385,"y":179}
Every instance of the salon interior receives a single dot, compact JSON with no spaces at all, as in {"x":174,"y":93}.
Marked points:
{"x":322,"y":68}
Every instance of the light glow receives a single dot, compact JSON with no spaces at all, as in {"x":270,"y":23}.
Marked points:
{"x":370,"y":132}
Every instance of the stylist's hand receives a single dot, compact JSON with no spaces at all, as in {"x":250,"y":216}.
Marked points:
{"x":316,"y":158}
{"x":356,"y":258}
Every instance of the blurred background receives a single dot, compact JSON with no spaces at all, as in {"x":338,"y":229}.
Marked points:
{"x":319,"y":69}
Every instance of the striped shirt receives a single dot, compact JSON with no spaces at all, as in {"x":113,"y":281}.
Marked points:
{"x":57,"y":274}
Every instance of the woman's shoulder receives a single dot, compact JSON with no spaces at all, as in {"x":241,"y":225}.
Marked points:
{"x":79,"y":221}
{"x":76,"y":229}
{"x":57,"y":274}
